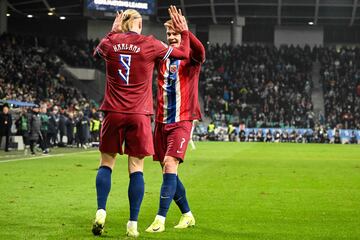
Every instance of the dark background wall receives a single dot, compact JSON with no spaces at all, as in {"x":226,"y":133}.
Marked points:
{"x":77,"y":28}
{"x":72,"y":28}
{"x":340,"y":34}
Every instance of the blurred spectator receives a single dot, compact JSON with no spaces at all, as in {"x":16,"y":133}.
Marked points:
{"x":82,"y":130}
{"x":44,"y":129}
{"x":62,"y":126}
{"x":35,"y":129}
{"x":23,"y":128}
{"x":70,"y":129}
{"x":5,"y":126}
{"x":211,"y":131}
{"x":53,"y":127}
{"x":95,"y":125}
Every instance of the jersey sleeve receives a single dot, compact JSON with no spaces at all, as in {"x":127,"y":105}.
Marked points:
{"x":197,"y":49}
{"x":102,"y":49}
{"x":163,"y":51}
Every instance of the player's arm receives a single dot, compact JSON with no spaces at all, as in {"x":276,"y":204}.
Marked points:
{"x":197,"y":49}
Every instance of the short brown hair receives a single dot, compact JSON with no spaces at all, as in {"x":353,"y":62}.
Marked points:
{"x":169,"y":24}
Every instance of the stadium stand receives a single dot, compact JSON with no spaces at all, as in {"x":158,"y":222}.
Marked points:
{"x":245,"y":88}
{"x":340,"y":76}
{"x":78,"y":53}
{"x":31,"y":74}
{"x":261,"y":86}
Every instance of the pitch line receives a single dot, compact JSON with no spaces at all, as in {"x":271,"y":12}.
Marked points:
{"x":44,"y":156}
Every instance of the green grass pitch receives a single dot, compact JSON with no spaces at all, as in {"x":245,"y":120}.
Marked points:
{"x":235,"y":190}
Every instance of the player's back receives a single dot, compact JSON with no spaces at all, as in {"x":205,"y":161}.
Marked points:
{"x":130,"y":61}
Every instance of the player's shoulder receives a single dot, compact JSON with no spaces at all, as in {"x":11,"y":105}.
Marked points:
{"x":115,"y":35}
{"x":149,"y":39}
{"x":152,"y":39}
{"x":111,"y":35}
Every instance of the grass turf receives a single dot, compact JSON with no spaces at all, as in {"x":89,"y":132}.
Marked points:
{"x":235,"y":190}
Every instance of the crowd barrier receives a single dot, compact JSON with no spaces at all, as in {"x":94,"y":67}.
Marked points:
{"x":345,"y":134}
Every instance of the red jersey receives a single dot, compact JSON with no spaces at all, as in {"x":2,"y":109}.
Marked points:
{"x":178,"y":80}
{"x":130,"y":59}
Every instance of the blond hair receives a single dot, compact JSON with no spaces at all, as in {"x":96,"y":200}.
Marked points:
{"x":129,"y":16}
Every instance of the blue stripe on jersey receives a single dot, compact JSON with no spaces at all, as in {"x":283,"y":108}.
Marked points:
{"x":171,"y":91}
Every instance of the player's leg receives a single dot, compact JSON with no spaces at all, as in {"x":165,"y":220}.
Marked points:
{"x":135,"y":193}
{"x":160,"y":147}
{"x":110,"y":145}
{"x":138,"y":144}
{"x":187,"y":219}
{"x":167,"y":192}
{"x":176,"y":141}
{"x":103,"y":186}
{"x":168,"y":187}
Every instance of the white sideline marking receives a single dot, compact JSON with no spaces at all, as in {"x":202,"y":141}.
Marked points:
{"x":44,"y":156}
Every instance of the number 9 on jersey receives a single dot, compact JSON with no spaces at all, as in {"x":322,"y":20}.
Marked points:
{"x":124,"y":71}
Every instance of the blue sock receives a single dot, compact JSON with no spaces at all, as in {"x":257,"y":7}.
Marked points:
{"x":135,"y":194}
{"x":103,"y":186}
{"x":180,"y":197}
{"x":168,"y":189}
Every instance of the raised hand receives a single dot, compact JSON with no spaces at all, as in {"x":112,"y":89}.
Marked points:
{"x":116,"y":27}
{"x":184,"y":19}
{"x":178,"y":19}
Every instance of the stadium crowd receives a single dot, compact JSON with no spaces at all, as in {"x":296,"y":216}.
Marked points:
{"x":78,"y":53}
{"x":340,"y":75}
{"x":260,"y":86}
{"x":254,"y":86}
{"x":30,"y":74}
